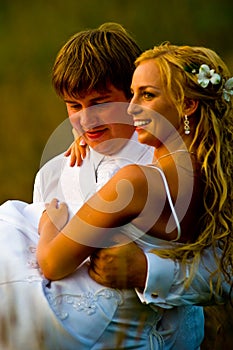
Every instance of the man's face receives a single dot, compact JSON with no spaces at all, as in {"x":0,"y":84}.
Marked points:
{"x":100,"y":117}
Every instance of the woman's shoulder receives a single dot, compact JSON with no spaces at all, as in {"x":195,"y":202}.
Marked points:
{"x":132,"y":172}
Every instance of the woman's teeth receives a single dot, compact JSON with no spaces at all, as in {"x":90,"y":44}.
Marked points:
{"x":141,"y":122}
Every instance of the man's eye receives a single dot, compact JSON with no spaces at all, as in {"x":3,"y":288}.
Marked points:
{"x":76,"y":107}
{"x":102,"y":105}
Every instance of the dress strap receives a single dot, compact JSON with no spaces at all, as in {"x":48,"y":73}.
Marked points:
{"x":170,"y":202}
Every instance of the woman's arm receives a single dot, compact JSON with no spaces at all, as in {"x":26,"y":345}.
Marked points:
{"x":54,"y":248}
{"x":63,"y":247}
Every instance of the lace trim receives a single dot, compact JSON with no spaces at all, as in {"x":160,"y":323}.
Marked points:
{"x":29,"y":279}
{"x":31,"y":262}
{"x":31,"y":258}
{"x":84,"y":302}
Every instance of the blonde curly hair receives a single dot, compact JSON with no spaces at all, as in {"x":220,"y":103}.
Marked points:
{"x":212,"y":144}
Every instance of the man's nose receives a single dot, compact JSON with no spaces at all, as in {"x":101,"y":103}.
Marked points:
{"x":89,"y":118}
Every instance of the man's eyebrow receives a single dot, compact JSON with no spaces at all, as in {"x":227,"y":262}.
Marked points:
{"x":67,"y":101}
{"x":102,"y":97}
{"x":98,"y":98}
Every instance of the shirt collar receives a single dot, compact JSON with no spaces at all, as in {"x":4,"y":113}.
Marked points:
{"x":98,"y":157}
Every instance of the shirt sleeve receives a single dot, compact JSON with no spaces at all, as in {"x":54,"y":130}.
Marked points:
{"x":47,"y":179}
{"x":37,"y":197}
{"x":165,"y":283}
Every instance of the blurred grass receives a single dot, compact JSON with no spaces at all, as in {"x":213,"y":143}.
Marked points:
{"x":218,"y":328}
{"x":31,"y":33}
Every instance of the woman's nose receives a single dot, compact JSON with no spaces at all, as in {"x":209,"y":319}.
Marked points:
{"x":134,"y":109}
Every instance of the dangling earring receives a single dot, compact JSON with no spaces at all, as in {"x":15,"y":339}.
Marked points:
{"x":186,"y":125}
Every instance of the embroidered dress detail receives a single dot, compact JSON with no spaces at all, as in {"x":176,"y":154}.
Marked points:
{"x":84,"y":302}
{"x":31,"y":260}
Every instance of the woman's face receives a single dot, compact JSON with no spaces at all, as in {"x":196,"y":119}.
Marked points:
{"x":155,"y":116}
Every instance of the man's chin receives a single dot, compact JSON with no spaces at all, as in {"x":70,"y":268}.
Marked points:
{"x":110,"y":147}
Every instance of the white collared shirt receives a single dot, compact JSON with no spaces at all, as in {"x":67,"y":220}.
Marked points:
{"x":74,"y":185}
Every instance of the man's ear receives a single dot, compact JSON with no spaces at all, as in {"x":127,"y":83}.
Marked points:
{"x":190,"y":106}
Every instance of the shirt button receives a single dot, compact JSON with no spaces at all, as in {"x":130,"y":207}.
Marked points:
{"x":154,"y":295}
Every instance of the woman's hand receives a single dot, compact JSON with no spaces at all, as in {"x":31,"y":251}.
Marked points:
{"x":56,"y":254}
{"x":56,"y":215}
{"x":77,"y":150}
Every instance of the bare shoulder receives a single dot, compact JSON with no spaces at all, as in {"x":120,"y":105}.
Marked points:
{"x":136,"y":174}
{"x":132,"y":169}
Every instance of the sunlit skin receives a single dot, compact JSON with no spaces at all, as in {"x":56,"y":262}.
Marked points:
{"x":57,"y":254}
{"x":98,"y":125}
{"x":149,"y":93}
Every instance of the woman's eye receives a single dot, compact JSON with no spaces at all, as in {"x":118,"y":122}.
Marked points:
{"x":147,"y":95}
{"x":131,"y":93}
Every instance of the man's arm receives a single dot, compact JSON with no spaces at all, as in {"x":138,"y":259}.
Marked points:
{"x":158,"y":281}
{"x":37,"y":195}
{"x":47,"y":179}
{"x":162,"y":286}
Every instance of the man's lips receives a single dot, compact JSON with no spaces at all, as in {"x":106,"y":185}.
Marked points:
{"x":94,"y":134}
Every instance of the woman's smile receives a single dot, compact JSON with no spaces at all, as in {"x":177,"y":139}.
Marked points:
{"x":138,"y":123}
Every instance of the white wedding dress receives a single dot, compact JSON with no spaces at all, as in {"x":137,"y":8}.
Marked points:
{"x":73,"y":313}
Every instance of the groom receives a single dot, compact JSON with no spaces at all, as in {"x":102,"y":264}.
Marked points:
{"x":95,"y":67}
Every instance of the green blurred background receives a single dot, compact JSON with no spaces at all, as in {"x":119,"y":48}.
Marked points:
{"x":31,"y":33}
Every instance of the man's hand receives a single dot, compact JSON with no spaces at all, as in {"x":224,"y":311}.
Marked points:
{"x":119,"y":267}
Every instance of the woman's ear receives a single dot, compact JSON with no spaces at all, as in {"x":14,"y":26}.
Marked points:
{"x":190,"y":106}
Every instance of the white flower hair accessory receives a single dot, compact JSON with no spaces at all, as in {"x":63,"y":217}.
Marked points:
{"x":207,"y":75}
{"x":228,"y":89}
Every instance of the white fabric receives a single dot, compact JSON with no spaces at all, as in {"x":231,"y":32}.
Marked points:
{"x":76,"y":312}
{"x":73,"y":313}
{"x":166,"y":279}
{"x":58,"y":179}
